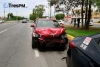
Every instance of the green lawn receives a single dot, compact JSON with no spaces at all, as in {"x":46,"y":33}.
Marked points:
{"x":80,"y":32}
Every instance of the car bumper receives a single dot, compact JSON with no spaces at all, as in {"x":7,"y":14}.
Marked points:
{"x":51,"y":40}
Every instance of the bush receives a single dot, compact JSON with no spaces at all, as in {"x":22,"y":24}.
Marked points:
{"x":59,"y":16}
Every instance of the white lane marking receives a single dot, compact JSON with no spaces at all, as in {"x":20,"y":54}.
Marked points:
{"x":36,"y":53}
{"x":31,"y":29}
{"x":3,"y":30}
{"x":14,"y":26}
{"x":8,"y":28}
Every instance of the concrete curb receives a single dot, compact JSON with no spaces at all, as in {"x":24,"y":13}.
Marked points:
{"x":70,"y":37}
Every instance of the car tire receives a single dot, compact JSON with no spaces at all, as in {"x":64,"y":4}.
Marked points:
{"x":33,"y":43}
{"x":68,"y":63}
{"x":63,"y":47}
{"x":68,"y":60}
{"x":41,"y":47}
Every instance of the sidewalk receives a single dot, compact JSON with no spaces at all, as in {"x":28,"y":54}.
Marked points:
{"x":11,"y":21}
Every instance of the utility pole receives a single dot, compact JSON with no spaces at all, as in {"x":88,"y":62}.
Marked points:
{"x":9,"y":13}
{"x":4,"y":13}
{"x":82,"y":12}
{"x":16,"y":16}
{"x":54,"y":11}
{"x":50,"y":6}
{"x":50,"y":10}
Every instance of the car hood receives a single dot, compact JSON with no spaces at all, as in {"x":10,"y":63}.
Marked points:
{"x":46,"y":32}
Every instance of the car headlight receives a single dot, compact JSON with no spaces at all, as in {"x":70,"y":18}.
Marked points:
{"x":63,"y":36}
{"x":36,"y":35}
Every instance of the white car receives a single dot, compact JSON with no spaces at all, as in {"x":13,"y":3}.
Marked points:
{"x":91,"y":23}
{"x":60,"y":21}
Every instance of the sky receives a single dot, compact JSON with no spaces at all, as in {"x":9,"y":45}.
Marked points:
{"x":24,"y":11}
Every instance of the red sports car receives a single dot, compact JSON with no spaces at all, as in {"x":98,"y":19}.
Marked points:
{"x":47,"y":32}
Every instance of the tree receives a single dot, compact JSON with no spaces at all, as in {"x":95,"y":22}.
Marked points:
{"x":37,"y":12}
{"x":40,"y":10}
{"x":10,"y":15}
{"x":31,"y":17}
{"x":56,"y":4}
{"x":53,"y":2}
{"x":59,"y":16}
{"x":97,"y":3}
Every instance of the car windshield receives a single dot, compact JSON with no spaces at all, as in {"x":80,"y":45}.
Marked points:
{"x":47,"y":23}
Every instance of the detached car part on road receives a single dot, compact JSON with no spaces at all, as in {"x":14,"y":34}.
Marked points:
{"x":84,"y":52}
{"x":47,"y":32}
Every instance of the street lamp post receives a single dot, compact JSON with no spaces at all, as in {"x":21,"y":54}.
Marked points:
{"x":54,"y":11}
{"x":16,"y":16}
{"x":50,"y":8}
{"x":9,"y":13}
{"x":4,"y":13}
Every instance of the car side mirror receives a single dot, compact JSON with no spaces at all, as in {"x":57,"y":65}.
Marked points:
{"x":32,"y":25}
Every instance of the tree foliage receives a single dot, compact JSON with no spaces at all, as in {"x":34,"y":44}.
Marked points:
{"x":37,"y":12}
{"x":97,"y":2}
{"x":59,"y":16}
{"x":10,"y":16}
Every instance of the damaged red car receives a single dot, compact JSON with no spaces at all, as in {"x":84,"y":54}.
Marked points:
{"x":47,"y":32}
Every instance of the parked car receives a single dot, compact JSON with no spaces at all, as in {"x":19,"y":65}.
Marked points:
{"x":24,"y":21}
{"x":1,"y":21}
{"x":60,"y":21}
{"x":91,"y":23}
{"x":47,"y":32}
{"x":84,"y":52}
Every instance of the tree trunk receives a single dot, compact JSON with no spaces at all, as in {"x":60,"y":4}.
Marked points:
{"x":86,"y":12}
{"x":78,"y":21}
{"x":82,"y":13}
{"x":89,"y":16}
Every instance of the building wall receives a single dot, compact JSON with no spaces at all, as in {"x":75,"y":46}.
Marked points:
{"x":68,"y":18}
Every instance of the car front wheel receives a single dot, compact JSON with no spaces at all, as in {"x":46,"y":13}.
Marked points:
{"x":33,"y":43}
{"x":63,"y":47}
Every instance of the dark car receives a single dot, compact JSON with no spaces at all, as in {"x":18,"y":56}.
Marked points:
{"x":84,"y":52}
{"x":47,"y":32}
{"x":24,"y":21}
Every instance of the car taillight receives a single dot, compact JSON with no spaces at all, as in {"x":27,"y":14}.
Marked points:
{"x":72,"y":45}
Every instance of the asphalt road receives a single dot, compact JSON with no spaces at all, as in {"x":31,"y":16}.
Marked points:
{"x":16,"y":51}
{"x":97,"y":25}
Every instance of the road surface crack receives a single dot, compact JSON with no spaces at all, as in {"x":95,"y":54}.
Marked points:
{"x":7,"y":62}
